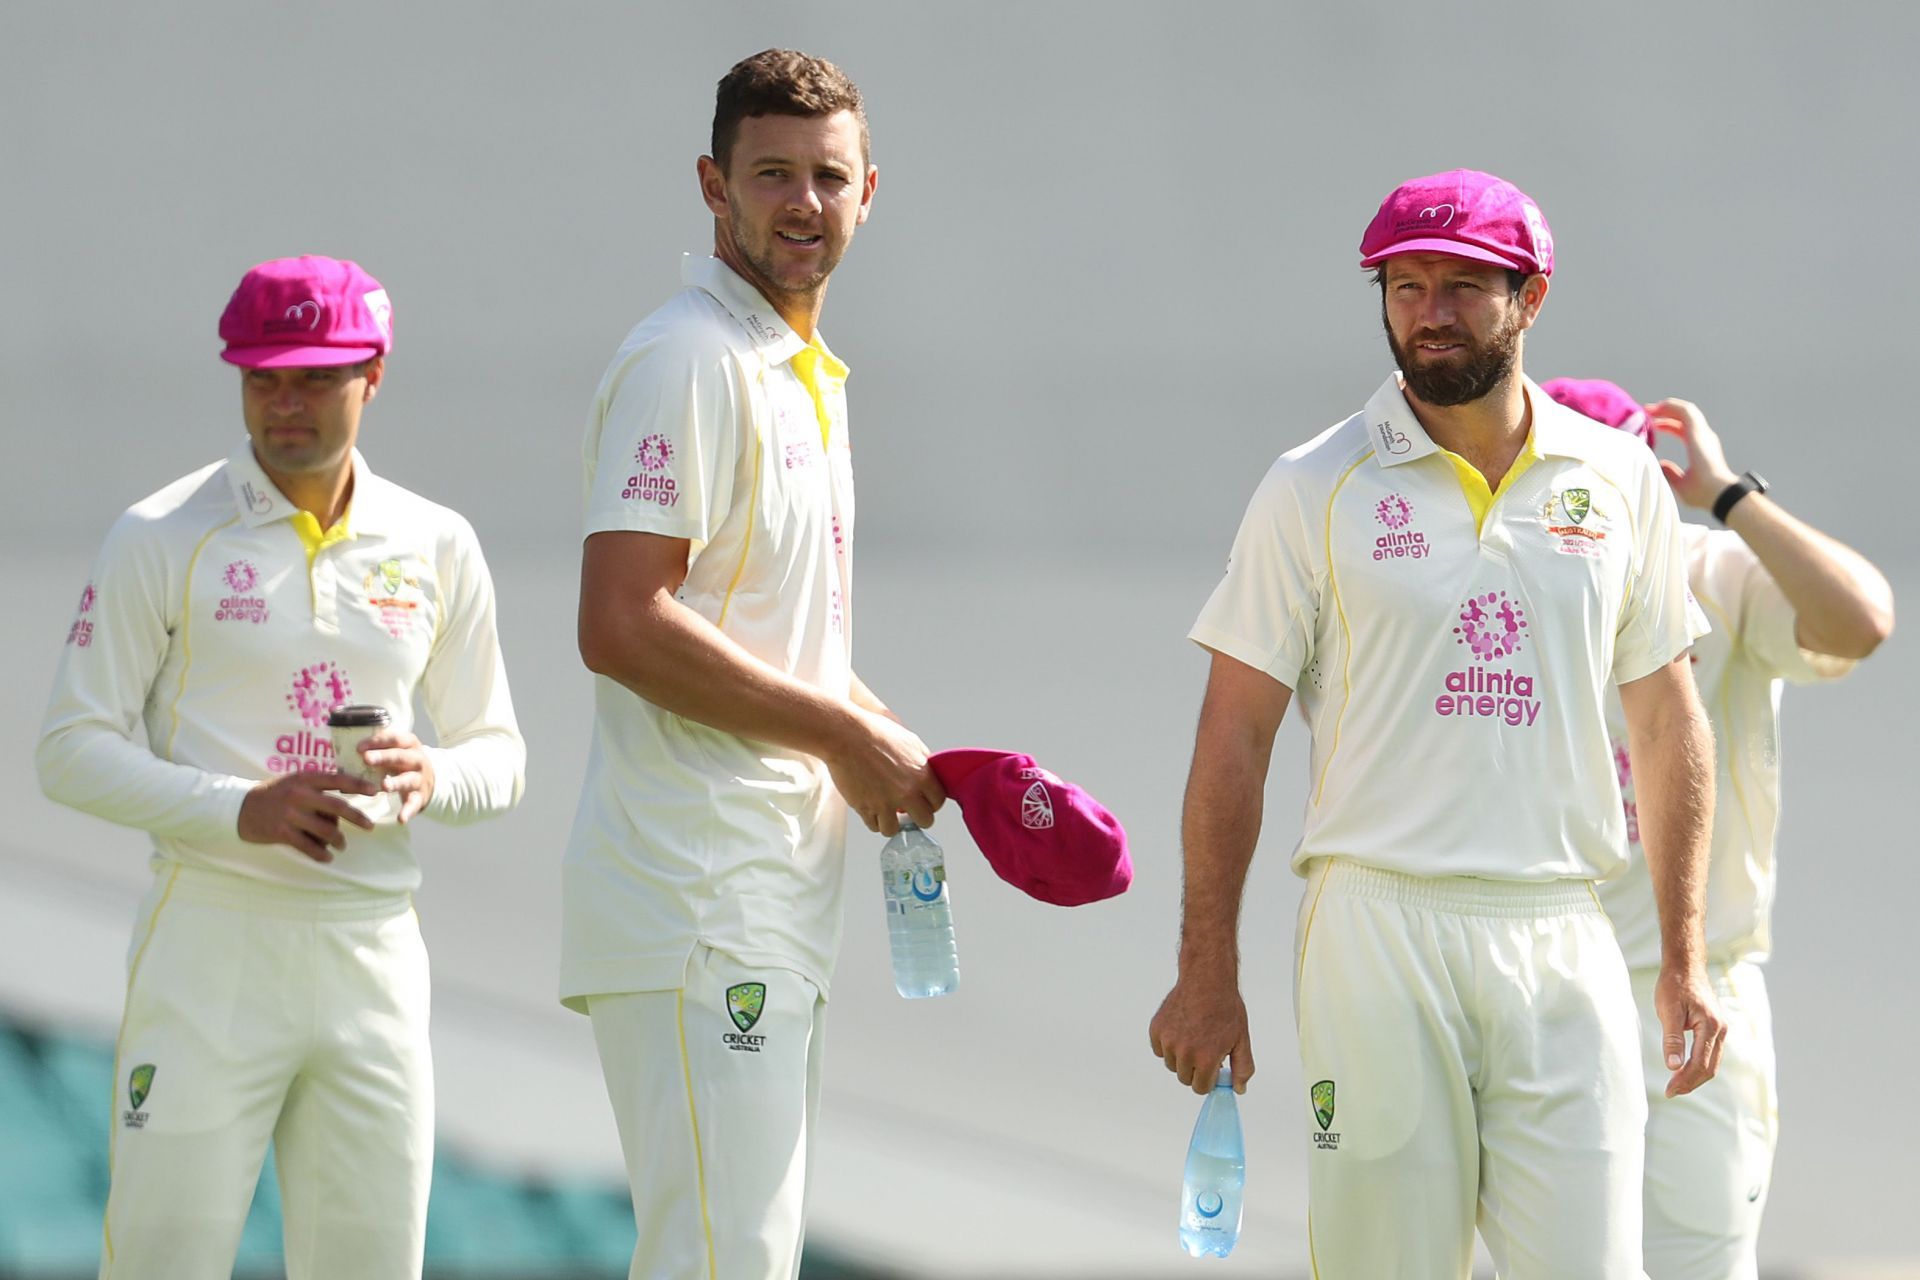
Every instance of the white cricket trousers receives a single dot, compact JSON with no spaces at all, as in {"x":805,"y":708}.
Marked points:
{"x":716,"y":1091}
{"x":256,"y":1012}
{"x":1710,"y":1152}
{"x":1469,"y":1045}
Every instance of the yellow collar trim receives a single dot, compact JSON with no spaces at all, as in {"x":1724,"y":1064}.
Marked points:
{"x":308,"y":527}
{"x":1480,"y":496}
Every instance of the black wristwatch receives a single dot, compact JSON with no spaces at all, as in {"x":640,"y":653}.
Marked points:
{"x":1746,"y":484}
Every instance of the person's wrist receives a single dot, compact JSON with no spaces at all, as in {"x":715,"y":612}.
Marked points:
{"x":1731,"y":493}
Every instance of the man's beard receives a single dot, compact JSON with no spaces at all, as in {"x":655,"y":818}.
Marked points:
{"x":1459,"y":380}
{"x":760,"y":258}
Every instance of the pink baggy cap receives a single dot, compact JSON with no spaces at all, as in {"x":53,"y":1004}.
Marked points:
{"x":1602,"y":401}
{"x":1043,"y":836}
{"x":306,"y":312}
{"x":1464,"y":213}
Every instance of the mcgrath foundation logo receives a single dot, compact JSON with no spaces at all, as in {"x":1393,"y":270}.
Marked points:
{"x":649,"y":484}
{"x":139,"y":1088}
{"x":317,"y":690}
{"x":303,"y":316}
{"x":1434,"y":212}
{"x":80,"y":634}
{"x":746,"y":1001}
{"x":1490,"y":625}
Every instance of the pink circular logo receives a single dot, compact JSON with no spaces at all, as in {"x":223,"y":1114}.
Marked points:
{"x":87,"y":596}
{"x":654,"y":453}
{"x":1393,"y":511}
{"x":317,"y":690}
{"x":241,"y":576}
{"x":1490,"y":625}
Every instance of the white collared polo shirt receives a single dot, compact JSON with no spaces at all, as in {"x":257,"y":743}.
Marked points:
{"x":1740,"y":668}
{"x":705,"y":428}
{"x":1452,"y":664}
{"x":216,"y":635}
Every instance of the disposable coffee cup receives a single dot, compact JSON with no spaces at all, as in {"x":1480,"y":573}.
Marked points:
{"x":350,"y":726}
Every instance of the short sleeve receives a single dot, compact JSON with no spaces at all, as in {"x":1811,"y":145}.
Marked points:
{"x":1660,"y":619}
{"x":665,"y":440}
{"x":1266,"y":609}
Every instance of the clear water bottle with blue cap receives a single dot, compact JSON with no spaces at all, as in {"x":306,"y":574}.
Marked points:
{"x":913,"y":870}
{"x":1210,"y":1200}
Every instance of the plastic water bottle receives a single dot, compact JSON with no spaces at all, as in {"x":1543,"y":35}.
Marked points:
{"x":1210,"y":1200}
{"x":913,"y":870}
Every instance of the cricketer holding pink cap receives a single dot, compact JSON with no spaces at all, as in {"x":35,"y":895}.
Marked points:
{"x":1789,"y":605}
{"x":702,"y":881}
{"x":276,"y":981}
{"x":1449,"y":583}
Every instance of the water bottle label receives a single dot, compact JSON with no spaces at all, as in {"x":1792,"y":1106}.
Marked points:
{"x":1208,"y":1204}
{"x":926,"y":882}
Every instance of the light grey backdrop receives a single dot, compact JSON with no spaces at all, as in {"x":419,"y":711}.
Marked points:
{"x":1110,"y":274}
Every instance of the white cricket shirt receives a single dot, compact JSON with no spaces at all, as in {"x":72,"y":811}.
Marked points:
{"x":704,"y":428}
{"x":1739,"y":669}
{"x":209,"y":648}
{"x":1453,"y":677}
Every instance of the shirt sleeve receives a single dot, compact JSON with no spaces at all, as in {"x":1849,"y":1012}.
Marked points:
{"x":666,"y":440}
{"x":479,"y":768}
{"x":1768,"y":627}
{"x":1266,"y":609}
{"x":94,"y":753}
{"x":1660,"y":619}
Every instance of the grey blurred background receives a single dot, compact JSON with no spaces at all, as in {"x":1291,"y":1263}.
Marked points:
{"x":1110,"y":274}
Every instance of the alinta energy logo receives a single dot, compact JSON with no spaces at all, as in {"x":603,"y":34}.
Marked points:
{"x":242,"y":606}
{"x":650,"y":483}
{"x":746,"y":1001}
{"x":1493,"y":629}
{"x":80,"y":634}
{"x":317,"y":690}
{"x":1398,"y":542}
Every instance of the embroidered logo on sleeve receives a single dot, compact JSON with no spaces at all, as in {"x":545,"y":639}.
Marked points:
{"x":651,"y":481}
{"x":80,"y":634}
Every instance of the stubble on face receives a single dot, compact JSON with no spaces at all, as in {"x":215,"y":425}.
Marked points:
{"x":795,"y":187}
{"x":1461,"y":379}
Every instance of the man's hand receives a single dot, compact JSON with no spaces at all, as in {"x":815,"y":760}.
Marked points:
{"x":1706,"y":475}
{"x":303,"y":810}
{"x":1199,"y":1025}
{"x":408,"y":770}
{"x":881,"y":772}
{"x":1684,"y":1000}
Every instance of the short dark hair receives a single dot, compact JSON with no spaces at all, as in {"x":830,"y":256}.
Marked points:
{"x":1516,"y":280}
{"x":782,"y":82}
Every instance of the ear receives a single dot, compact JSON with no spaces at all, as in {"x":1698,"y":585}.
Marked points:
{"x":713,"y":186}
{"x":866,"y":194}
{"x":376,"y":370}
{"x":1533,"y":296}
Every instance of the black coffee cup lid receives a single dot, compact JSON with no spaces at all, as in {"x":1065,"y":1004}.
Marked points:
{"x":358,"y":716}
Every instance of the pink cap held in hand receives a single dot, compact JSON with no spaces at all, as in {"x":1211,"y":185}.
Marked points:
{"x":1465,"y":214}
{"x":1045,"y":837}
{"x":1603,"y":401}
{"x":306,"y":312}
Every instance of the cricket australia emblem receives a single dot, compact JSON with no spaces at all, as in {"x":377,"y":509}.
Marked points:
{"x":139,"y":1086}
{"x":745,"y":1002}
{"x":1322,"y":1098}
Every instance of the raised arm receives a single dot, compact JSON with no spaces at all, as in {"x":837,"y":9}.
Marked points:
{"x":1842,"y":604}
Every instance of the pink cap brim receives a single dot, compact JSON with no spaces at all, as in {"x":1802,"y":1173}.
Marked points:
{"x":282,"y":356}
{"x":1451,"y":248}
